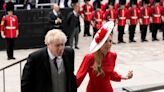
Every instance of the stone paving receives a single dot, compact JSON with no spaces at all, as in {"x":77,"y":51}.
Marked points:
{"x":145,"y":59}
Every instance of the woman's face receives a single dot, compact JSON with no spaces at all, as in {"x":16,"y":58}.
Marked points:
{"x":107,"y":45}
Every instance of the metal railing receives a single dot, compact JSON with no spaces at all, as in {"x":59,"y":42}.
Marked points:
{"x":144,"y":88}
{"x":6,"y":67}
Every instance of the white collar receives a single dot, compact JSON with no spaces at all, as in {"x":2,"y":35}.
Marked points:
{"x":54,"y":12}
{"x":75,"y":13}
{"x":51,"y":56}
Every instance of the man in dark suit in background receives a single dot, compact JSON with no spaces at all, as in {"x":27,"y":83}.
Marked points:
{"x":50,"y":69}
{"x":55,"y":18}
{"x":74,"y":25}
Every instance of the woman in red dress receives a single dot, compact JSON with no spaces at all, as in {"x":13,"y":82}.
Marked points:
{"x":100,"y":63}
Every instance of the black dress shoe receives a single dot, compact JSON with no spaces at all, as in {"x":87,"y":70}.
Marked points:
{"x":132,"y":41}
{"x":11,"y":58}
{"x":155,"y":39}
{"x":77,"y":47}
{"x":88,"y":35}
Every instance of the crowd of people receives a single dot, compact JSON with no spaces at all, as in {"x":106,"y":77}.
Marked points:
{"x":51,"y":69}
{"x":145,"y":12}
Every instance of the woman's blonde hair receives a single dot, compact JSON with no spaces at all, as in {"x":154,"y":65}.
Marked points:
{"x":54,"y":36}
{"x":97,"y":66}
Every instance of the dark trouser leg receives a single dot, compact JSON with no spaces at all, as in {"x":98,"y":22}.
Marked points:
{"x":143,"y":29}
{"x":131,"y":32}
{"x":76,"y":36}
{"x":87,"y":27}
{"x":95,"y":30}
{"x":72,"y":35}
{"x":163,"y":29}
{"x":10,"y":46}
{"x":120,"y":33}
{"x":154,"y":31}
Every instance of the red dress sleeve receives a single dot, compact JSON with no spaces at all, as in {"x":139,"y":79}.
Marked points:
{"x":84,"y":67}
{"x":114,"y":75}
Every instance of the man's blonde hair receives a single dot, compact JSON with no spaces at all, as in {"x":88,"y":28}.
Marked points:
{"x":54,"y":36}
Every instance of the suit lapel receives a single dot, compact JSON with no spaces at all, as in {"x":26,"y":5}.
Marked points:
{"x":45,"y":60}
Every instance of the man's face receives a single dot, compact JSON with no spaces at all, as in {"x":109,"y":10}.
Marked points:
{"x":10,"y":13}
{"x":57,"y":48}
{"x":77,"y":7}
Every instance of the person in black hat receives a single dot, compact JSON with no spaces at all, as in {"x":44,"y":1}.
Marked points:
{"x":122,"y":16}
{"x":144,"y":20}
{"x":87,"y":10}
{"x":110,"y":13}
{"x":1,"y":4}
{"x":162,"y":24}
{"x":156,"y":18}
{"x":134,"y":16}
{"x":97,"y":17}
{"x":9,"y":29}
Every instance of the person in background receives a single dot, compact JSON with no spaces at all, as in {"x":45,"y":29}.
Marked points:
{"x":100,"y":63}
{"x":144,"y":20}
{"x":73,"y":23}
{"x":134,"y":16}
{"x":122,"y":16}
{"x":55,"y":18}
{"x":1,"y":4}
{"x":87,"y":9}
{"x":97,"y":17}
{"x":156,"y":19}
{"x":28,"y":5}
{"x":50,"y":69}
{"x":9,"y":29}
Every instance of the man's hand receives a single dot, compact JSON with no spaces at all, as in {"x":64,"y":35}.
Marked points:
{"x":2,"y":34}
{"x":17,"y":33}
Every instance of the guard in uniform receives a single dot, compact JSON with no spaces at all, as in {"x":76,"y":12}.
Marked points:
{"x":134,"y":16}
{"x":86,"y":12}
{"x":162,"y":24}
{"x":156,"y":17}
{"x":9,"y":29}
{"x":111,"y":13}
{"x":144,"y":19}
{"x":122,"y":16}
{"x":97,"y":18}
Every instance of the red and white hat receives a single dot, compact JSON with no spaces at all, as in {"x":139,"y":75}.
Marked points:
{"x":101,"y":36}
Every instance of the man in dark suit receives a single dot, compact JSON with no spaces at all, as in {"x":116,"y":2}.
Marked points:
{"x":74,"y":25}
{"x":51,"y":68}
{"x":55,"y":18}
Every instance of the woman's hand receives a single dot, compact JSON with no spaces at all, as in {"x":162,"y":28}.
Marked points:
{"x":128,"y":76}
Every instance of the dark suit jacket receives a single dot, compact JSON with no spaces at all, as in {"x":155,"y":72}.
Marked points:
{"x":37,"y":73}
{"x":52,"y":18}
{"x":72,"y":22}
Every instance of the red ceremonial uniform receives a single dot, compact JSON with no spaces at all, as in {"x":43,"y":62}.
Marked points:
{"x":122,"y":15}
{"x":97,"y":17}
{"x":157,"y":11}
{"x":87,"y":10}
{"x":110,"y":14}
{"x":9,"y":25}
{"x":145,"y":14}
{"x":98,"y":83}
{"x":134,"y":15}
